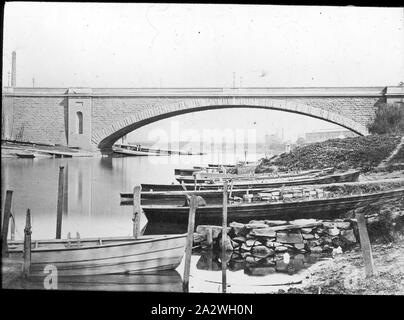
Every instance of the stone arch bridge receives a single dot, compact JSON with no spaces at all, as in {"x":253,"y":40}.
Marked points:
{"x":94,"y":118}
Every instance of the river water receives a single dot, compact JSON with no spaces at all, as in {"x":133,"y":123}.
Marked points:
{"x":92,"y":208}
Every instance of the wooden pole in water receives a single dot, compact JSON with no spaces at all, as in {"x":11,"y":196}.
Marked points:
{"x":6,"y":221}
{"x":365,"y":244}
{"x":27,"y":244}
{"x":60,"y":203}
{"x":12,"y":227}
{"x":190,"y":236}
{"x":137,"y":210}
{"x":224,"y":236}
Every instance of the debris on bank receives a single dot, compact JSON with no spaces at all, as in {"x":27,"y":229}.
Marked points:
{"x":365,"y":153}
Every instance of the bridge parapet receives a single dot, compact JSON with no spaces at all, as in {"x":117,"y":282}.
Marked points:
{"x":208,"y":92}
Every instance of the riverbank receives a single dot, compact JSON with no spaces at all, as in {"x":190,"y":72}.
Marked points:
{"x":345,"y":274}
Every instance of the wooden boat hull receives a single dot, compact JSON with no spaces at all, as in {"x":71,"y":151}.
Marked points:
{"x":265,"y":183}
{"x":314,"y":208}
{"x":108,"y":256}
{"x":158,"y":281}
{"x":210,"y":177}
{"x":134,"y":152}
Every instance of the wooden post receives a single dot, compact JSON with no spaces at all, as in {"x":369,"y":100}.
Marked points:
{"x":365,"y":244}
{"x":194,"y":181}
{"x":190,"y":236}
{"x":12,"y":227}
{"x":224,"y":237}
{"x":27,"y":244}
{"x":60,"y":203}
{"x":209,"y":238}
{"x":137,"y":209}
{"x":6,"y":221}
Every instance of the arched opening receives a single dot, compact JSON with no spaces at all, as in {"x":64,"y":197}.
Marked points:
{"x":79,"y":122}
{"x":112,"y":134}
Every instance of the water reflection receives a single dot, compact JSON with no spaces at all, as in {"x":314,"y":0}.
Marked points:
{"x":255,"y":265}
{"x":161,"y":281}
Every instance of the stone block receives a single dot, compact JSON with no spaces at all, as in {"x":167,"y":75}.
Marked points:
{"x":256,"y":225}
{"x":337,"y":224}
{"x":204,"y":229}
{"x":239,"y":239}
{"x":263,"y":232}
{"x":281,"y":249}
{"x":273,"y":223}
{"x":299,"y":246}
{"x":250,"y":242}
{"x":238,"y":228}
{"x":317,"y":249}
{"x":333,"y":232}
{"x":306,"y":230}
{"x":348,"y":236}
{"x":307,"y":236}
{"x":289,"y":238}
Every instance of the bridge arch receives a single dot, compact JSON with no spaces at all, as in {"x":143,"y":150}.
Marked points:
{"x":106,"y":137}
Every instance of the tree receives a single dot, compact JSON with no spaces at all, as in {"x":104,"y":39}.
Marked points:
{"x":389,"y":119}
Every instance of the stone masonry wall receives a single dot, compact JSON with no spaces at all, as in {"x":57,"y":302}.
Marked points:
{"x":38,"y":119}
{"x":44,"y":118}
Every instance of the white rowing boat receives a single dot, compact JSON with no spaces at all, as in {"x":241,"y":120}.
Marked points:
{"x":95,"y":256}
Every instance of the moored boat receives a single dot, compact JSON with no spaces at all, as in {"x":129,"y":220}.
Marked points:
{"x":331,"y":207}
{"x":95,"y":256}
{"x":348,"y":176}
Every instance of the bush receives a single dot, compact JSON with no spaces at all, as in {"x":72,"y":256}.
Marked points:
{"x":389,"y":119}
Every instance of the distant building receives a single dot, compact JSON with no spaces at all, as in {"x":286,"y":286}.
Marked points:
{"x":319,"y":136}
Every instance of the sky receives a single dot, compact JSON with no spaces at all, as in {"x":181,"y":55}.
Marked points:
{"x":178,"y":45}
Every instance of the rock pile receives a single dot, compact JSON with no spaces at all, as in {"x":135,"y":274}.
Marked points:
{"x":269,"y":237}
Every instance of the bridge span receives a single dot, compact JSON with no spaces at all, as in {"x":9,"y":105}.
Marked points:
{"x":94,"y":118}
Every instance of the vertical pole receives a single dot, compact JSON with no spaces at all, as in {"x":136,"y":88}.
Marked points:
{"x":6,"y":221}
{"x":27,"y":244}
{"x":194,"y":181}
{"x":209,"y":238}
{"x":224,"y":236}
{"x":190,"y":236}
{"x":60,"y":203}
{"x":137,"y":209}
{"x":12,"y":227}
{"x":365,"y":244}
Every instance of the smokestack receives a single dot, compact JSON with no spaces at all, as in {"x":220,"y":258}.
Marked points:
{"x":13,"y":70}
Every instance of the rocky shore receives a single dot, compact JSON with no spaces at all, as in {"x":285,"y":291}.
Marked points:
{"x":269,"y":237}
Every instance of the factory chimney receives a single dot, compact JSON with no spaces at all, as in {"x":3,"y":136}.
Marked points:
{"x":13,"y":70}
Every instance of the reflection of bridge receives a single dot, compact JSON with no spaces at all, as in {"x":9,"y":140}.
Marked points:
{"x":96,"y":118}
